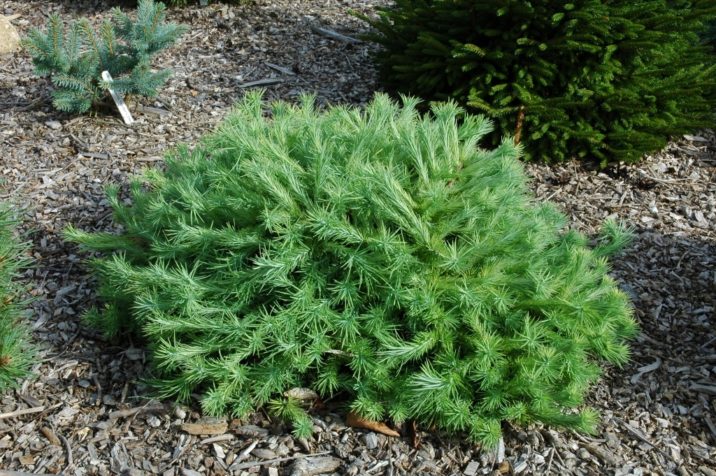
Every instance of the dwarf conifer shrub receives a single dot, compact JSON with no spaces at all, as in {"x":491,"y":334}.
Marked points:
{"x":15,"y":349}
{"x":603,"y":81}
{"x":74,"y":59}
{"x":375,"y":254}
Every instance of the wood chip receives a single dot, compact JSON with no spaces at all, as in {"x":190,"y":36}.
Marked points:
{"x":315,"y":465}
{"x":602,"y":454}
{"x":707,"y":389}
{"x":205,"y":428}
{"x":50,"y":435}
{"x":251,"y":431}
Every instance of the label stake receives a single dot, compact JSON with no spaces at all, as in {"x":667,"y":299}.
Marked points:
{"x":118,"y":100}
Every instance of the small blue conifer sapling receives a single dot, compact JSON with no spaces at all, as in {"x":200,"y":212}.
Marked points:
{"x":74,"y":58}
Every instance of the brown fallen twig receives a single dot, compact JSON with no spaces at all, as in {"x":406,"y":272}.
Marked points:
{"x":261,"y":82}
{"x":357,"y":422}
{"x":24,"y":411}
{"x":152,"y":110}
{"x":603,"y":455}
{"x":711,"y":425}
{"x":549,"y":464}
{"x":334,"y":35}
{"x":414,"y":434}
{"x":707,"y":389}
{"x":246,"y":451}
{"x":215,"y":439}
{"x":21,"y":473}
{"x":68,"y":450}
{"x":520,"y":123}
{"x":94,"y":155}
{"x":280,"y":69}
{"x":252,"y":464}
{"x":377,"y":466}
{"x":50,"y":435}
{"x":157,"y":407}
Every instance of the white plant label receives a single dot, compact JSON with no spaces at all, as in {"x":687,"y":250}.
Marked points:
{"x":118,"y":100}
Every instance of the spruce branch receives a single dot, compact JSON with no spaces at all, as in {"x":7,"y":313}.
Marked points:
{"x":590,"y":80}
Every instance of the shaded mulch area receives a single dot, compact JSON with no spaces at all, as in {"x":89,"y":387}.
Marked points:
{"x":659,"y":414}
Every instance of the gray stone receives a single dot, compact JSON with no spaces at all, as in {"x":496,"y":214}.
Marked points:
{"x":189,"y":472}
{"x":263,"y":453}
{"x":471,"y":469}
{"x":9,"y":38}
{"x":315,"y":465}
{"x":371,"y":441}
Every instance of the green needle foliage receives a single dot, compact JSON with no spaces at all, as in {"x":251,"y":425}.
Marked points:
{"x":605,"y":81}
{"x":710,"y":36}
{"x":75,"y":60}
{"x":15,"y":349}
{"x":374,"y":253}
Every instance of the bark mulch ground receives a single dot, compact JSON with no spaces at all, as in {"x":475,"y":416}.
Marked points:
{"x":86,"y":410}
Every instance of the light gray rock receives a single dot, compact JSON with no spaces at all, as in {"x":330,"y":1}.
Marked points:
{"x":371,"y":441}
{"x":315,"y":465}
{"x":189,"y":472}
{"x":471,"y":469}
{"x":9,"y":38}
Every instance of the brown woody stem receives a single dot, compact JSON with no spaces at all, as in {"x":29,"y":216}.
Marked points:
{"x":520,"y":123}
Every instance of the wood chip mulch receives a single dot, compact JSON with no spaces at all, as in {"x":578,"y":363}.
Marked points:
{"x":86,"y":410}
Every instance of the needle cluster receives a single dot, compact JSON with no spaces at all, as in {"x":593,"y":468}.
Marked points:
{"x":15,"y":350}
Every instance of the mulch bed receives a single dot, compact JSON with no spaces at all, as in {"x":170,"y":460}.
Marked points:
{"x":86,"y":410}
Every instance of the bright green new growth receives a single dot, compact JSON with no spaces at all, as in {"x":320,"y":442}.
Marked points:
{"x":374,"y":253}
{"x":75,"y":60}
{"x":588,"y":79}
{"x":15,"y":349}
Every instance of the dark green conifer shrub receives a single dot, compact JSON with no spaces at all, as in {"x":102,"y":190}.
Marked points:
{"x":15,"y":349}
{"x":372,"y":253}
{"x":605,"y":81}
{"x":710,"y":35}
{"x":75,"y":60}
